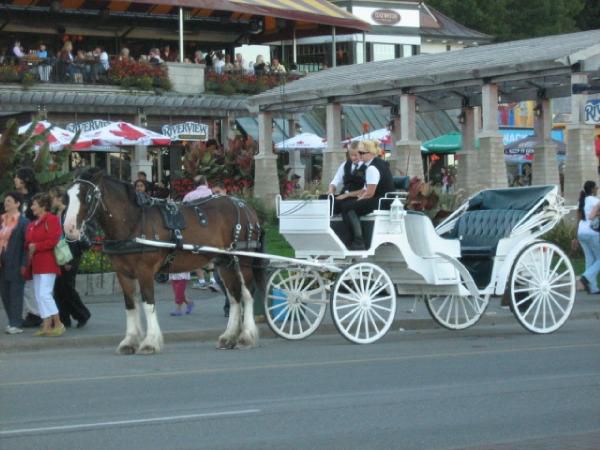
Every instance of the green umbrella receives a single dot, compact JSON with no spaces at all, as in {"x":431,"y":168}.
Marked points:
{"x":446,"y":143}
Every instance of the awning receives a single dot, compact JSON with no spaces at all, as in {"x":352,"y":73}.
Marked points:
{"x":447,"y":143}
{"x":263,"y":19}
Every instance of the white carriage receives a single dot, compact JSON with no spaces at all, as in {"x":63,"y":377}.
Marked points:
{"x":488,"y":247}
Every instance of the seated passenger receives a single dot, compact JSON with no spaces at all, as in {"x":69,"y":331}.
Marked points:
{"x":378,"y":181}
{"x":350,"y":174}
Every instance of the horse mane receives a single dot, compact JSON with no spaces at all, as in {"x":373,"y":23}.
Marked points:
{"x":94,"y":175}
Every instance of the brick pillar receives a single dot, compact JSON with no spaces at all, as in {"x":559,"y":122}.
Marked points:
{"x":467,"y":177}
{"x":545,"y":166}
{"x":492,"y":167}
{"x":266,"y":179}
{"x":410,"y":161}
{"x":334,"y":154}
{"x":581,"y":164}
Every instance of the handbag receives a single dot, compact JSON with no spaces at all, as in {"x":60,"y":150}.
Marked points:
{"x":62,"y":253}
{"x":595,"y":223}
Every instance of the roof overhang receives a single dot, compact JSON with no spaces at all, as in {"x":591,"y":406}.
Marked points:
{"x":256,"y":20}
{"x":523,"y":70}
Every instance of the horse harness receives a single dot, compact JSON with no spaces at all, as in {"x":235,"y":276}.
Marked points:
{"x":173,"y":220}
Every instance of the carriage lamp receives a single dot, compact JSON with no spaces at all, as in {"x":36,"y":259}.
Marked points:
{"x":397,"y":211}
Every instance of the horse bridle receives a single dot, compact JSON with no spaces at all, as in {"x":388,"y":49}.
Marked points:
{"x":93,"y":197}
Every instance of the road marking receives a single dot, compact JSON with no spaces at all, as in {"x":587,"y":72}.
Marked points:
{"x":218,"y":370}
{"x":127,"y":422}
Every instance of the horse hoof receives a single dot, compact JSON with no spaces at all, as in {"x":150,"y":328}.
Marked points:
{"x":226,"y":344}
{"x":244,"y":344}
{"x":147,"y":350}
{"x":126,"y":350}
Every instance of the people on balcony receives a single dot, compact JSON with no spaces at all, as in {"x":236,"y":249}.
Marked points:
{"x":18,"y":51}
{"x":100,"y":64}
{"x":260,"y":67}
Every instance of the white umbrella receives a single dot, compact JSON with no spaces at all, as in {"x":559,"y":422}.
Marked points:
{"x":382,"y":135}
{"x":124,"y":134}
{"x":57,"y":138}
{"x":302,"y":141}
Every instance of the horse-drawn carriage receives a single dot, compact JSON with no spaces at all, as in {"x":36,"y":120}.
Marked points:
{"x":490,"y":246}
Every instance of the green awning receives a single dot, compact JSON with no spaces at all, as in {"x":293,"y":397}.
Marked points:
{"x":446,"y":143}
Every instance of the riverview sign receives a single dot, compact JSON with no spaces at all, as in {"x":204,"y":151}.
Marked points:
{"x":592,"y":112}
{"x":385,"y":17}
{"x":186,"y":131}
{"x":87,"y":126}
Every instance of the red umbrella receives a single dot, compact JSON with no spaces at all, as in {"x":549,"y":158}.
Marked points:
{"x":124,"y":134}
{"x":57,"y":138}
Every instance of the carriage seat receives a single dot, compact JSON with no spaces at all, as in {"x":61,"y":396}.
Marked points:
{"x":480,"y":231}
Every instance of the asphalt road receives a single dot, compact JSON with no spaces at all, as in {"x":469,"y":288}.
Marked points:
{"x":491,"y":387}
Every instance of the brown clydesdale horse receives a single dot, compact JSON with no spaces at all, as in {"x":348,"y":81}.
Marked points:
{"x":212,"y":222}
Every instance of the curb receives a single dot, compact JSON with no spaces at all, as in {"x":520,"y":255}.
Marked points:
{"x":35,"y":344}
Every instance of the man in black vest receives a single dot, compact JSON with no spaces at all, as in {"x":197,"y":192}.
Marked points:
{"x":378,"y":181}
{"x":351,"y":175}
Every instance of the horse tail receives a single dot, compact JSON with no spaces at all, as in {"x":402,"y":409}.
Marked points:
{"x":259,"y":270}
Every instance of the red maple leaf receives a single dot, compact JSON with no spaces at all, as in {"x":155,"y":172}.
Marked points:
{"x":127,"y":132}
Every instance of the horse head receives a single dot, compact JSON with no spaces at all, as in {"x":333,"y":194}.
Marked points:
{"x":84,"y":197}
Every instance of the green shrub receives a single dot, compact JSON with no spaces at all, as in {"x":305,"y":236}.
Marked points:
{"x":563,"y":235}
{"x":94,"y":261}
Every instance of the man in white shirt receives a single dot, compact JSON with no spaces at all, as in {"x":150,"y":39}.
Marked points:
{"x":101,"y":64}
{"x":350,"y":176}
{"x":18,"y":50}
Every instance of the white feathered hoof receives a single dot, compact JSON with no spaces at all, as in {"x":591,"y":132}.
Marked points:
{"x":150,"y":346}
{"x":226,"y":342}
{"x":128,"y":346}
{"x":248,"y":339}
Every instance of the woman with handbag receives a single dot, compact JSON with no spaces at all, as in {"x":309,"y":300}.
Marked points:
{"x":12,"y":258}
{"x":67,"y":298}
{"x":40,"y":239}
{"x":589,"y":239}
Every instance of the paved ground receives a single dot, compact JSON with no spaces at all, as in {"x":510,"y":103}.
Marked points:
{"x":206,"y":323}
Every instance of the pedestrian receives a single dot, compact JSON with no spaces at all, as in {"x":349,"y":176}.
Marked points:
{"x":67,"y":298}
{"x":179,"y":284}
{"x":40,"y":239}
{"x":201,"y":191}
{"x":26,"y":184}
{"x":589,"y":239}
{"x":12,"y":258}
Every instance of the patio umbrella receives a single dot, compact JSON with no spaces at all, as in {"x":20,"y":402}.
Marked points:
{"x":302,"y":141}
{"x":446,"y":143}
{"x":524,"y":149}
{"x":382,"y":135}
{"x":124,"y":134}
{"x":57,"y":138}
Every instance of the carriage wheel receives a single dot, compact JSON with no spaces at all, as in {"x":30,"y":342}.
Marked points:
{"x":363,"y":303}
{"x":456,"y":312}
{"x":295,"y":302}
{"x":542,"y":288}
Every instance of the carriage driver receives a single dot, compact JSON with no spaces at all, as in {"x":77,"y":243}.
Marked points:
{"x":350,"y":174}
{"x":378,"y":181}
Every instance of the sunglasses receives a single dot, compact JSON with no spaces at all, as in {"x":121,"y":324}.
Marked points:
{"x":362,"y":153}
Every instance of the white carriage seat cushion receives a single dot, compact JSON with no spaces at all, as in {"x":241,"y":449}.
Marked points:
{"x":480,"y":231}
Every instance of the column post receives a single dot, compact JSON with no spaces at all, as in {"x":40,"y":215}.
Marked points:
{"x":581,"y":164}
{"x":545,"y":166}
{"x":334,"y":154}
{"x":468,"y":166}
{"x":492,"y":167}
{"x":266,"y":179}
{"x":410,"y":161}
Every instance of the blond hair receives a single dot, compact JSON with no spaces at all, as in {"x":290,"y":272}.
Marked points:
{"x":370,"y":147}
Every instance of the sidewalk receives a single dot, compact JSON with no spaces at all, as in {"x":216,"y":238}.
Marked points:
{"x":207,"y":322}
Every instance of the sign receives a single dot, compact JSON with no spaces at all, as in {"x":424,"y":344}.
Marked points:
{"x":87,"y":126}
{"x":592,"y":112}
{"x":385,"y":17}
{"x":187,"y":131}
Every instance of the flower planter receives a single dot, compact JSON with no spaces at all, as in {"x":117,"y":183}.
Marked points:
{"x":98,"y":284}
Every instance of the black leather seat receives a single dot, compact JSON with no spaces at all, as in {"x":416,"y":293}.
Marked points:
{"x":480,"y":231}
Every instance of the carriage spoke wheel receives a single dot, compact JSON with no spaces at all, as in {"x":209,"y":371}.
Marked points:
{"x":295,"y":302}
{"x":363,"y":303}
{"x":456,"y":312}
{"x":542,"y":288}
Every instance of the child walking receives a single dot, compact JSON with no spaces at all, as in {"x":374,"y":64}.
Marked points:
{"x":178,"y":284}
